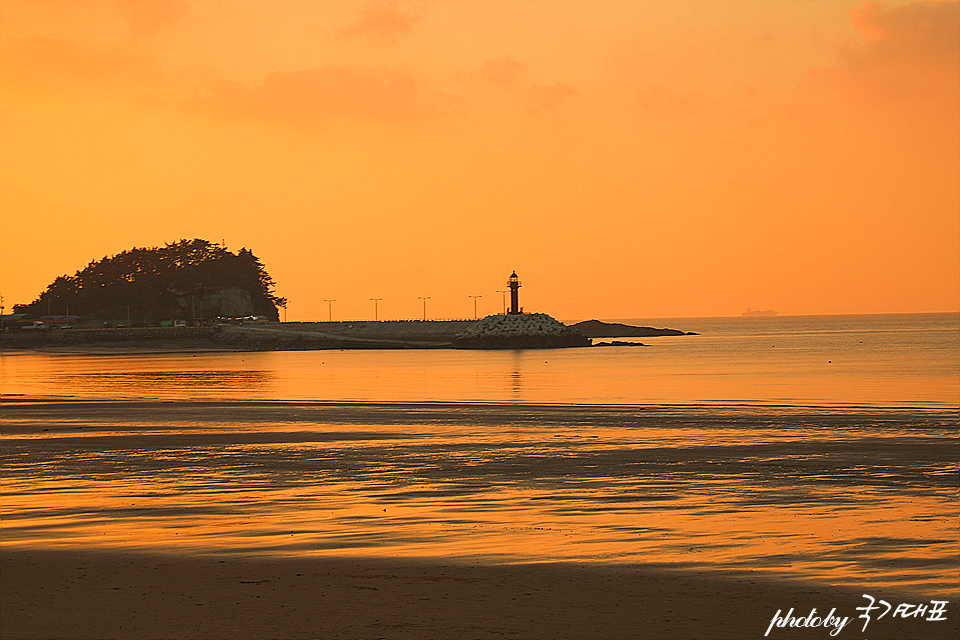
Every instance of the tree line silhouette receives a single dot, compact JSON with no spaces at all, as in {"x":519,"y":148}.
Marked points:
{"x":151,"y":284}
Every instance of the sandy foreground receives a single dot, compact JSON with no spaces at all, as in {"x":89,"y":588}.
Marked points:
{"x":78,"y":594}
{"x":48,"y":590}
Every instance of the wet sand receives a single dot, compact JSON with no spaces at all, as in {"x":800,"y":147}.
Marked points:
{"x":94,"y":595}
{"x":58,"y":586}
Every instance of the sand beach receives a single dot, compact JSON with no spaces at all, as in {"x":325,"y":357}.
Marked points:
{"x":108,"y":594}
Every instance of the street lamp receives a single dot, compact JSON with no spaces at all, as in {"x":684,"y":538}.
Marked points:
{"x":504,"y":292}
{"x":475,"y":305}
{"x":330,"y":309}
{"x":375,"y":300}
{"x":424,"y":298}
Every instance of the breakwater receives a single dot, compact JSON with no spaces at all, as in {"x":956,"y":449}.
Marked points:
{"x":256,"y":337}
{"x":199,"y":336}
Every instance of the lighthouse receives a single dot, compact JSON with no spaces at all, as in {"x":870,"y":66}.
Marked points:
{"x":514,"y":283}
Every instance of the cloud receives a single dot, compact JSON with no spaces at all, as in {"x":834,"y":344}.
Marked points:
{"x":909,"y":53}
{"x":313,"y":95}
{"x":547,"y":96}
{"x":147,"y":18}
{"x":501,"y":72}
{"x":382,"y":21}
{"x":658,"y":98}
{"x":37,"y":61}
{"x":307,"y":96}
{"x":508,"y":74}
{"x":927,"y":32}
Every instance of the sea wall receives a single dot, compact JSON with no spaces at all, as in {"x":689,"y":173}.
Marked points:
{"x":257,"y":337}
{"x":525,"y":331}
{"x":32,"y":339}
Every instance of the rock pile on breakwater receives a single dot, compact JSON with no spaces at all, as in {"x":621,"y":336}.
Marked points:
{"x":519,"y":331}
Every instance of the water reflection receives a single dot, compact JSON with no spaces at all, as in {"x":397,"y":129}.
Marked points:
{"x":142,"y":375}
{"x":687,"y":369}
{"x":516,"y":378}
{"x":147,"y":382}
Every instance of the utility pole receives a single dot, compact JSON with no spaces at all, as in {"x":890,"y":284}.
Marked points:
{"x":424,"y":305}
{"x":375,"y":301}
{"x":475,"y":306}
{"x":504,"y":292}
{"x":330,"y":309}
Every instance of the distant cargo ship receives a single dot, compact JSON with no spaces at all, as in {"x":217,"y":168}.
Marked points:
{"x":757,"y":313}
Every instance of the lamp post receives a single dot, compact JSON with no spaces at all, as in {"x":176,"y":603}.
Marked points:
{"x":375,"y":301}
{"x":329,"y":310}
{"x":504,"y":292}
{"x":475,"y":305}
{"x":424,"y":298}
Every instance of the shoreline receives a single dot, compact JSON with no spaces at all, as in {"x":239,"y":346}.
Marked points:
{"x":558,"y":410}
{"x":295,"y":336}
{"x":101,"y":350}
{"x":236,"y":338}
{"x":679,"y":408}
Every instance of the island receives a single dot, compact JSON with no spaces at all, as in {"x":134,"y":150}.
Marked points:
{"x":598,"y":329}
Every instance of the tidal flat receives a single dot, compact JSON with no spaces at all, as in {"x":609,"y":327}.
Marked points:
{"x":196,"y":518}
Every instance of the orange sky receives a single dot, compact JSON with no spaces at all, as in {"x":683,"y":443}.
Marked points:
{"x":627,"y":159}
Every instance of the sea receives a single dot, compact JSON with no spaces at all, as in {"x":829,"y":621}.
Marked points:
{"x":813,"y":448}
{"x":908,"y":360}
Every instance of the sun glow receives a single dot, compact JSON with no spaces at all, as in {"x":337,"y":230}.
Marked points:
{"x":655,"y":159}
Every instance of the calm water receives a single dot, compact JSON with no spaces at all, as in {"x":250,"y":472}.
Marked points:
{"x":821,"y":449}
{"x":893,"y":360}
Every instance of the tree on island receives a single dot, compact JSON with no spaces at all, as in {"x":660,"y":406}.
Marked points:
{"x":157,"y":283}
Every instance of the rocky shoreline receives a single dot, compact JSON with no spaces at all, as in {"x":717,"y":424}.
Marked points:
{"x":598,"y":329}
